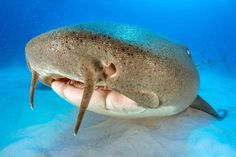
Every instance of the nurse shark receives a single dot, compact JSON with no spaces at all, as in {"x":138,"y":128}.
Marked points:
{"x":151,"y":76}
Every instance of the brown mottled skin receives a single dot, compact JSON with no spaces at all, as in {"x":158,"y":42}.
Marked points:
{"x":157,"y":74}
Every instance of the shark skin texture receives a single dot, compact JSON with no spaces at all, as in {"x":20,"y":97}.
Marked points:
{"x":117,"y":70}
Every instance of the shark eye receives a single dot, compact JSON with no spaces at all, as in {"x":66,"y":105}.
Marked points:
{"x":188,"y":52}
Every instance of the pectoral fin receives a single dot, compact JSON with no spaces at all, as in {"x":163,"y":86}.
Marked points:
{"x":202,"y":105}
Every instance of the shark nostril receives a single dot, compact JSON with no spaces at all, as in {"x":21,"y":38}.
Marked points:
{"x":110,"y":70}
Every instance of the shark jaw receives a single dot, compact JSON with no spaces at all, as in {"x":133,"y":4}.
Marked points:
{"x":103,"y":99}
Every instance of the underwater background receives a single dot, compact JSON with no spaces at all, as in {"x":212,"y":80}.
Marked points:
{"x":206,"y":27}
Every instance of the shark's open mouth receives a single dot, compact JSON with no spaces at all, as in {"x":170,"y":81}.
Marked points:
{"x":104,"y":99}
{"x":80,"y":84}
{"x":87,"y":94}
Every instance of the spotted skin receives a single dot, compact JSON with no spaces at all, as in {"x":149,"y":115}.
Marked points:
{"x":157,"y":74}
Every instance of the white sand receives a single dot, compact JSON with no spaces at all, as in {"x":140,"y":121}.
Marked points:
{"x":48,"y":132}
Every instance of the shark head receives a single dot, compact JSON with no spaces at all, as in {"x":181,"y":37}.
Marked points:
{"x":145,"y":70}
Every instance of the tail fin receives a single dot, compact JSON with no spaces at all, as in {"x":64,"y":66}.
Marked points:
{"x":202,"y":105}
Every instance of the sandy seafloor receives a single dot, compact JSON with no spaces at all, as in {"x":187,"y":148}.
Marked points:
{"x":48,"y":131}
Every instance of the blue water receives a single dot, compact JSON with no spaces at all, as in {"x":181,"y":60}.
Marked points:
{"x":207,"y":27}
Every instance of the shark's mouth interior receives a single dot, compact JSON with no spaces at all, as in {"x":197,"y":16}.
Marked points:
{"x":85,"y":95}
{"x":103,"y":98}
{"x":80,"y":84}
